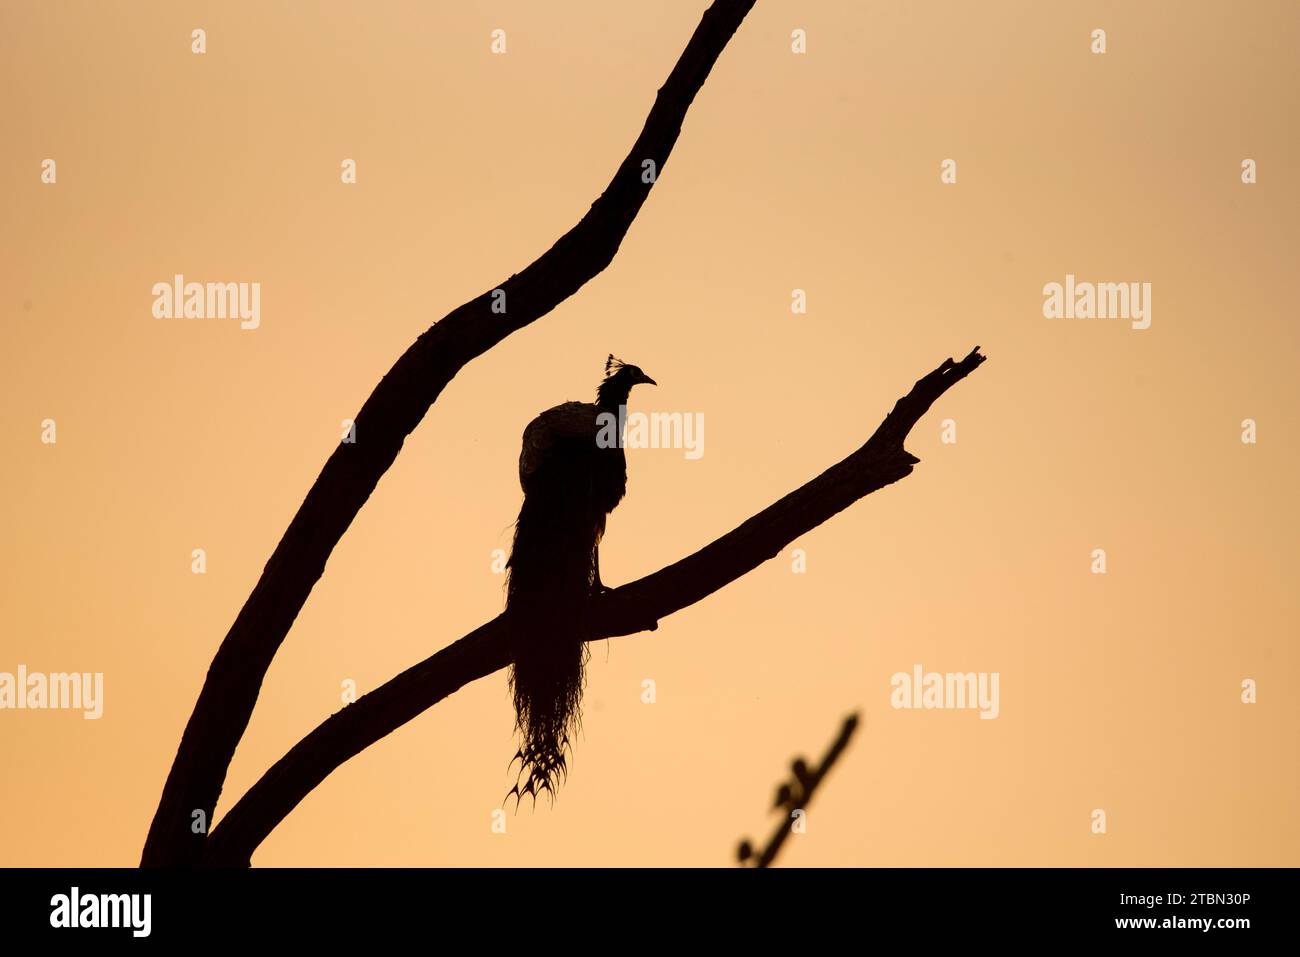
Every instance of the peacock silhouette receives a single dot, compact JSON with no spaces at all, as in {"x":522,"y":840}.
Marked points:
{"x":572,"y":477}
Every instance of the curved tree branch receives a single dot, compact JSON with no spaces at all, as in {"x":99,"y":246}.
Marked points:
{"x":392,"y":412}
{"x":634,"y":607}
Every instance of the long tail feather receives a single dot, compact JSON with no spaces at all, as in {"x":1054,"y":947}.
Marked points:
{"x":551,"y":570}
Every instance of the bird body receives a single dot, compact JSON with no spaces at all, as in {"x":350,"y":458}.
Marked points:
{"x":562,"y":446}
{"x":572,"y":478}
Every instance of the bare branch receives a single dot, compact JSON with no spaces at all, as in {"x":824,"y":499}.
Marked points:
{"x":392,"y":412}
{"x":637,"y":606}
{"x":796,"y":795}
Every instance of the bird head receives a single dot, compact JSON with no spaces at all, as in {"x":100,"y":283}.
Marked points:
{"x":619,"y":379}
{"x":632,"y":375}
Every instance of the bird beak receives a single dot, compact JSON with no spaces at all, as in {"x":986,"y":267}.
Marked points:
{"x":646,"y":380}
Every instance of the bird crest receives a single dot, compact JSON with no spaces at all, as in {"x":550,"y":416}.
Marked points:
{"x":612,"y":365}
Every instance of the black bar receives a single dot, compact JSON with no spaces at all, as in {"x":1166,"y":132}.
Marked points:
{"x":552,"y":908}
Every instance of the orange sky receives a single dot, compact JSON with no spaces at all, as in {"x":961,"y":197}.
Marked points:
{"x":820,"y":172}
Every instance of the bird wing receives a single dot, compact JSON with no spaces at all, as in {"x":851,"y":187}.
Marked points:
{"x":572,"y":421}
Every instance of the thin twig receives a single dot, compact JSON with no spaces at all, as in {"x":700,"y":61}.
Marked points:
{"x":797,"y":794}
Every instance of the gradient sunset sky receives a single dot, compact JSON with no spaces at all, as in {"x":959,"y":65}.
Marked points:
{"x":817,"y":171}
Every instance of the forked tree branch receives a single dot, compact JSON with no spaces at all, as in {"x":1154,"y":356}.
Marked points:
{"x":637,"y":606}
{"x":392,"y":412}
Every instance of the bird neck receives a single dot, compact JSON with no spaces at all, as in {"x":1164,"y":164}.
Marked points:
{"x":611,"y":394}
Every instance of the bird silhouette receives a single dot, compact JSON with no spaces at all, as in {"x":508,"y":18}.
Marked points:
{"x":573,"y":472}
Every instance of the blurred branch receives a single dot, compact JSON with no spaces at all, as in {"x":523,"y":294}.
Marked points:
{"x":632,"y":608}
{"x":392,"y":412}
{"x":796,"y":794}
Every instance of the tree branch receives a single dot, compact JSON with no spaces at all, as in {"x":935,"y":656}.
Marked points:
{"x":392,"y":412}
{"x":634,"y":607}
{"x":797,"y":795}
